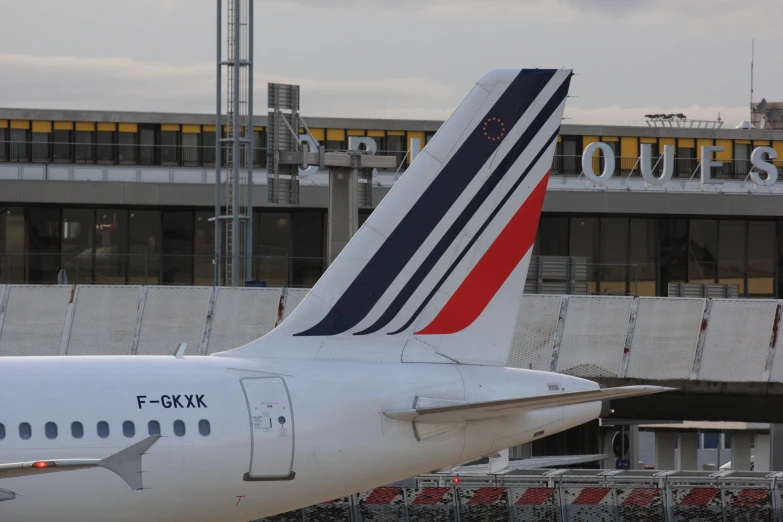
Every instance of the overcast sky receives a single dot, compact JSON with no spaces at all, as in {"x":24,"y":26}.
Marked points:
{"x":397,"y":58}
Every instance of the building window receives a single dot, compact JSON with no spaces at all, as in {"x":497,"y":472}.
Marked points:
{"x":259,"y":149}
{"x":62,"y":143}
{"x":25,"y":431}
{"x":41,"y":147}
{"x":204,"y":249}
{"x":204,"y":428}
{"x":50,"y":430}
{"x":145,"y":248}
{"x":613,"y":272}
{"x":111,"y":245}
{"x":128,"y":429}
{"x":147,"y":150}
{"x":272,"y":247}
{"x":710,"y":440}
{"x":2,"y":431}
{"x":553,"y":239}
{"x":685,"y":162}
{"x":191,"y":150}
{"x":583,"y":242}
{"x":179,"y":428}
{"x":153,"y":427}
{"x":106,"y":148}
{"x":208,"y":145}
{"x":732,"y":249}
{"x":168,"y":147}
{"x":77,"y":244}
{"x":702,"y":251}
{"x":127,"y":148}
{"x":741,"y":160}
{"x":644,"y":256}
{"x":307,"y":248}
{"x":103,"y":429}
{"x":77,"y":430}
{"x":674,"y":252}
{"x":85,"y":150}
{"x":177,"y":259}
{"x":761,"y":259}
{"x":19,"y":145}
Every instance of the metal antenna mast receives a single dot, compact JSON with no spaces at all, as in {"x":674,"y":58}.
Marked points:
{"x":236,"y":145}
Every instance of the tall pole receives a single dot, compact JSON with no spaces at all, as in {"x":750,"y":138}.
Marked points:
{"x":218,"y":241}
{"x":752,"y":59}
{"x":251,"y":151}
{"x":235,"y":180}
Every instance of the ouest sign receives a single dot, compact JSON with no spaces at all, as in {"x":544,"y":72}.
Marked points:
{"x":760,"y":158}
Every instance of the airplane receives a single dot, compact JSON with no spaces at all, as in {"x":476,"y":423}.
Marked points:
{"x":392,"y":366}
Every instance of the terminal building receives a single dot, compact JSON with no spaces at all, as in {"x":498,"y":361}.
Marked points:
{"x":125,"y":198}
{"x":120,"y":198}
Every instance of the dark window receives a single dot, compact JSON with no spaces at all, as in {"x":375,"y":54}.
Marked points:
{"x":674,"y":252}
{"x":583,"y":242}
{"x":77,"y":244}
{"x":144,"y":262}
{"x":272,"y":247}
{"x":127,"y":148}
{"x":259,"y":149}
{"x":685,"y":162}
{"x":19,"y":146}
{"x":702,"y":251}
{"x":4,"y":145}
{"x":103,"y":429}
{"x":191,"y":151}
{"x":25,"y":431}
{"x":14,"y":236}
{"x":128,"y":429}
{"x":741,"y":159}
{"x":553,"y":237}
{"x":50,"y":430}
{"x":395,"y":146}
{"x":41,"y":147}
{"x":569,"y":160}
{"x":179,"y":428}
{"x":85,"y":149}
{"x":77,"y":430}
{"x":177,"y":262}
{"x":204,"y":428}
{"x":105,"y":147}
{"x":731,"y":253}
{"x":208,"y":144}
{"x":307,"y":247}
{"x":761,"y":259}
{"x":613,"y":271}
{"x":710,"y":440}
{"x":147,"y":150}
{"x":204,"y":249}
{"x":62,"y":144}
{"x":43,"y":241}
{"x":644,"y":256}
{"x":111,"y":245}
{"x":2,"y":431}
{"x":153,"y":427}
{"x":168,"y":147}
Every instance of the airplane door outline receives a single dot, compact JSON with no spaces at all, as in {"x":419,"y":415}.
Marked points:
{"x":271,"y":418}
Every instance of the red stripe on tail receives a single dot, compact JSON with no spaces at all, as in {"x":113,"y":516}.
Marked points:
{"x":492,"y":270}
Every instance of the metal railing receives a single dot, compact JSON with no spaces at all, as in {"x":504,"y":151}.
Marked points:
{"x":683,"y":167}
{"x":149,"y":269}
{"x":166,"y":155}
{"x":563,"y":495}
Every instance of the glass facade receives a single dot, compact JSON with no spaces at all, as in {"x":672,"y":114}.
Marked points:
{"x":637,"y":255}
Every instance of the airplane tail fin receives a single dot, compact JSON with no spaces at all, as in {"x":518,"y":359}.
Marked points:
{"x":436,"y":272}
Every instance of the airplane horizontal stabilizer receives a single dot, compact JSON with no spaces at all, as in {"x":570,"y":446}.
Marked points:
{"x":126,"y":463}
{"x":493,"y":409}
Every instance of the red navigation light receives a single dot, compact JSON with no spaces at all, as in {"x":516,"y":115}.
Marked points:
{"x":456,"y":480}
{"x":42,"y":464}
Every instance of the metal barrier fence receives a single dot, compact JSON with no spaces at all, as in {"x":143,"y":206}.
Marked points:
{"x":564,"y":495}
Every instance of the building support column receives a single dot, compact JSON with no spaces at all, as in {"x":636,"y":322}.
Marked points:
{"x":740,"y":450}
{"x":343,"y":209}
{"x":776,"y":447}
{"x":761,"y":452}
{"x":689,"y":451}
{"x":664,"y":450}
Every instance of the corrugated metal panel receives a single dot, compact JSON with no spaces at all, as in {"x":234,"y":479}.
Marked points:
{"x":737,"y":341}
{"x":242,"y":315}
{"x":594,"y":336}
{"x":172,"y":315}
{"x":534,"y":335}
{"x":664,"y":339}
{"x":103,"y":320}
{"x":34,"y":320}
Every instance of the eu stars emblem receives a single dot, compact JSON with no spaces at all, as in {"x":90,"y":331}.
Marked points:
{"x":494,"y":129}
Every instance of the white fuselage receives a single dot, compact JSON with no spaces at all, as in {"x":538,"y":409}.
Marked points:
{"x":341,"y":442}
